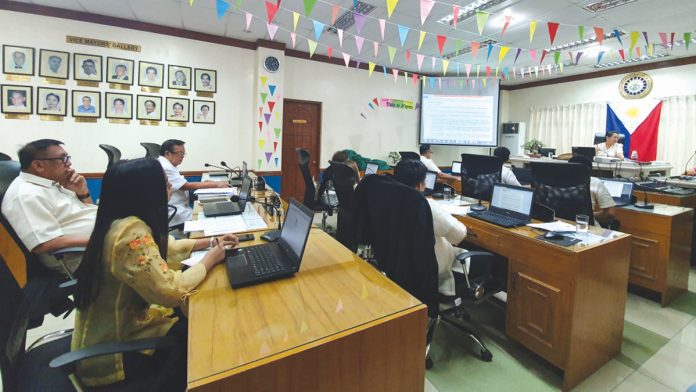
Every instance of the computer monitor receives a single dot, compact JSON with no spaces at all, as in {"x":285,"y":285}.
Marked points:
{"x":544,"y":152}
{"x":430,"y":177}
{"x":588,"y":152}
{"x":371,"y":168}
{"x":479,"y":173}
{"x":456,"y":167}
{"x":512,"y":200}
{"x":620,"y":191}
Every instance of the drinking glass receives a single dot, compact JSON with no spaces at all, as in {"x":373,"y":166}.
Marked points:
{"x":582,"y":223}
{"x":447,"y":194}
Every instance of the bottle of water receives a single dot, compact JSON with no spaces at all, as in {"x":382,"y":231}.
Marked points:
{"x":634,"y":155}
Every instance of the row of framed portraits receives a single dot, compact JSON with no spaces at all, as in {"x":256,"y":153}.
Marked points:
{"x":88,"y":104}
{"x":19,"y":60}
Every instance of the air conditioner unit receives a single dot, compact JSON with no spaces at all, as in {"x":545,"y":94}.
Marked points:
{"x":512,"y":136}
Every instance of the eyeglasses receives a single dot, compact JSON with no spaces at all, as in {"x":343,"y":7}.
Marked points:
{"x":64,"y":159}
{"x":180,"y":153}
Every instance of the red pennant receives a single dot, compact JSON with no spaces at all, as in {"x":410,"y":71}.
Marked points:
{"x":543,"y":54}
{"x":553,"y":28}
{"x":260,"y":126}
{"x":621,"y":53}
{"x":275,"y":146}
{"x":441,"y":42}
{"x":672,"y":41}
{"x":375,"y":101}
{"x":488,"y":71}
{"x":260,"y":111}
{"x":599,"y":32}
{"x":329,"y":52}
{"x":508,"y":18}
{"x":408,"y":56}
{"x":271,"y":104}
{"x":271,"y":11}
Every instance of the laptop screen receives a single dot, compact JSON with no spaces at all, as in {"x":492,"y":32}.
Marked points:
{"x":430,"y":178}
{"x":371,"y":168}
{"x":296,"y":229}
{"x":456,"y":167}
{"x":244,"y":192}
{"x":619,"y":189}
{"x":513,"y":199}
{"x":244,"y":169}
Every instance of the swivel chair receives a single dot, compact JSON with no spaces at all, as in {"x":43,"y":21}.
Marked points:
{"x":5,"y":157}
{"x":344,"y":180}
{"x":310,"y":198}
{"x":409,"y":155}
{"x":113,"y":154}
{"x":479,"y":174}
{"x":563,"y":187}
{"x":397,"y":222}
{"x":152,"y":149}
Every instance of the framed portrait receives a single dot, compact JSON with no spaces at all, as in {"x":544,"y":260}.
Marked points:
{"x":205,"y":80}
{"x":17,"y":60}
{"x":179,"y":78}
{"x":119,"y":71}
{"x":87,"y":67}
{"x":177,"y":109}
{"x":204,"y":112}
{"x":51,"y":101}
{"x":16,"y":99}
{"x":86,"y":103}
{"x":54,"y":64}
{"x":149,"y":107}
{"x":150,"y":74}
{"x":118,"y":105}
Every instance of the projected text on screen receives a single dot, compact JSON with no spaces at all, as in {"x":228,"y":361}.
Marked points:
{"x":446,"y":118}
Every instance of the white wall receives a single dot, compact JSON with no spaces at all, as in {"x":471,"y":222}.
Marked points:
{"x":231,"y":138}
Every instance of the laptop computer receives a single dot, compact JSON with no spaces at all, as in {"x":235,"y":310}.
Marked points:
{"x":511,"y":206}
{"x":230,"y":207}
{"x":274,"y":260}
{"x":430,"y":177}
{"x":588,"y":152}
{"x":237,"y":181}
{"x":371,"y":168}
{"x":456,"y":167}
{"x":620,"y":191}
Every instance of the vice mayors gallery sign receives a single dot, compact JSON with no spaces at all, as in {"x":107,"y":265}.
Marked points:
{"x":101,"y":43}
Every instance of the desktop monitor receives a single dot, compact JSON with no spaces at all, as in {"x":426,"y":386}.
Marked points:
{"x":588,"y":152}
{"x":544,"y":152}
{"x":479,"y":173}
{"x":371,"y":168}
{"x":456,"y":167}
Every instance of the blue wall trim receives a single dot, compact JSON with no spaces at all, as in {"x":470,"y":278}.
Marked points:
{"x":95,"y":184}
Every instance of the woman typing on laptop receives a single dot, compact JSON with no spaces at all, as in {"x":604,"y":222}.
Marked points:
{"x":129,"y":279}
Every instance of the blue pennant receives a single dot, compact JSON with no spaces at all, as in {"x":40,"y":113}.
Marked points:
{"x":403,"y":33}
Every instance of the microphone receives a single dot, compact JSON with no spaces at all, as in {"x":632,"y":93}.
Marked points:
{"x":644,"y":204}
{"x":543,"y":212}
{"x":686,"y":167}
{"x":217,"y":167}
{"x":236,"y":198}
{"x":229,"y":168}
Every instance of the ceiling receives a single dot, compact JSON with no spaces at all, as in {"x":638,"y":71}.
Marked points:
{"x":651,"y":16}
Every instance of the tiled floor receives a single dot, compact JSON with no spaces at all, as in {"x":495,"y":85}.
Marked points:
{"x":658,"y":353}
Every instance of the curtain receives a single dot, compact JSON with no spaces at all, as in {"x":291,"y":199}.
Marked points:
{"x":676,"y":140}
{"x":564,"y":127}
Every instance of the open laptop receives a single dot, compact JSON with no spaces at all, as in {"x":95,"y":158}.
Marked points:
{"x":273,"y":260}
{"x":620,"y":191}
{"x":371,"y":168}
{"x":511,"y":206}
{"x":456,"y":167}
{"x":223,"y":208}
{"x":430,"y":177}
{"x":237,"y":181}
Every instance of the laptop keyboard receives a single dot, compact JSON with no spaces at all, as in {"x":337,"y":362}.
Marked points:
{"x":263,"y":261}
{"x":497,"y":219}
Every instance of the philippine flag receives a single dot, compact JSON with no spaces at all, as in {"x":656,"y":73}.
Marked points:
{"x":638,"y":120}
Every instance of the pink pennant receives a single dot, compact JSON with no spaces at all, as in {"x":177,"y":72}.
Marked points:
{"x":455,"y":15}
{"x":375,"y":48}
{"x":663,"y":37}
{"x":396,"y":74}
{"x":329,"y":51}
{"x":507,"y":23}
{"x":272,"y":29}
{"x":408,"y":56}
{"x":359,"y":21}
{"x":340,"y":37}
{"x":467,"y":67}
{"x":419,"y":60}
{"x":473,"y":83}
{"x":346,"y":58}
{"x":382,"y":25}
{"x":414,"y":79}
{"x":359,"y":42}
{"x":532,"y":53}
{"x":248,"y":17}
{"x":425,"y":7}
{"x":334,"y":13}
{"x":488,"y":71}
{"x":293,"y":37}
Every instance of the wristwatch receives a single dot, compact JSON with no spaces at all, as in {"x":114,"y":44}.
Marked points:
{"x":85,"y":196}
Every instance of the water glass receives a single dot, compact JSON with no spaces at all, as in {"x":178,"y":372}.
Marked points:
{"x":447,"y":192}
{"x":582,"y":223}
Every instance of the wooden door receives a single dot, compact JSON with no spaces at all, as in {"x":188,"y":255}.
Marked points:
{"x":301,"y":129}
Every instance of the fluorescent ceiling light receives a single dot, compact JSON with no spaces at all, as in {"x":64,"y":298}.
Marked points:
{"x":468,"y":11}
{"x":633,"y":60}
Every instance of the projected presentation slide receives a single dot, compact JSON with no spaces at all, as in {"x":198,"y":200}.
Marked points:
{"x":460,"y":116}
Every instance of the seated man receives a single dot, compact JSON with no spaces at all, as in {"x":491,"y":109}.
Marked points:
{"x":448,"y":230}
{"x":507,"y":177}
{"x":426,"y":156}
{"x":172,"y":153}
{"x":602,"y":202}
{"x":48,"y":204}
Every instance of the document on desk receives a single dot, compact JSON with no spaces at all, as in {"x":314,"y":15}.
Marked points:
{"x":454,"y":208}
{"x":215,"y":191}
{"x":247,"y":221}
{"x":553,"y":226}
{"x":196,"y":257}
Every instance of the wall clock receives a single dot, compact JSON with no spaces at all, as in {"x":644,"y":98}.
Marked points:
{"x":635,"y":85}
{"x":271,"y":63}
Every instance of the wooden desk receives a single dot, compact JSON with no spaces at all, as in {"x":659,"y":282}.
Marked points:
{"x":626,"y":169}
{"x":661,"y":248}
{"x":338,"y":324}
{"x":565,"y":304}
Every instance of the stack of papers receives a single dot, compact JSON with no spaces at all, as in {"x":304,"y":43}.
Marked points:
{"x":247,"y":221}
{"x":553,"y":226}
{"x":215,"y":191}
{"x":196,"y":257}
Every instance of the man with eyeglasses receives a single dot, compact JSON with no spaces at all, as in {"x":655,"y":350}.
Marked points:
{"x":172,"y":153}
{"x":48,"y":204}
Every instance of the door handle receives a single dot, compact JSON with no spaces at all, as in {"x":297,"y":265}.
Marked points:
{"x":314,"y":162}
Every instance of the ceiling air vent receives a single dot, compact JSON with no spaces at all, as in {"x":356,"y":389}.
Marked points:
{"x":605,"y":5}
{"x":346,"y":20}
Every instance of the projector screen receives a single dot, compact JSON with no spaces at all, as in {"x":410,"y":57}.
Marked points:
{"x":455,"y":113}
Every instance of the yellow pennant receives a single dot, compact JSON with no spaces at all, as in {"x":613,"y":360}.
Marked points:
{"x":445,"y":64}
{"x":370,"y":68}
{"x":295,"y":19}
{"x":261,"y":144}
{"x":650,"y":50}
{"x":420,"y":39}
{"x":503,"y":52}
{"x":484,"y":82}
{"x":391,"y":4}
{"x":191,"y":3}
{"x":532,"y":29}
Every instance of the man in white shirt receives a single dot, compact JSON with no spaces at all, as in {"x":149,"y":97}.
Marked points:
{"x":172,"y":153}
{"x":448,"y":230}
{"x":426,"y":156}
{"x":602,"y":202}
{"x":48,"y":204}
{"x":507,"y":176}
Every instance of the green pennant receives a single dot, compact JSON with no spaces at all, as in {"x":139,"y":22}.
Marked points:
{"x":312,"y":47}
{"x":481,"y":19}
{"x":277,"y":132}
{"x":556,"y":56}
{"x":581,"y":32}
{"x":392,"y":52}
{"x":308,"y":5}
{"x":687,"y":39}
{"x":259,"y":166}
{"x":263,"y":97}
{"x":457,"y":45}
{"x":239,"y":3}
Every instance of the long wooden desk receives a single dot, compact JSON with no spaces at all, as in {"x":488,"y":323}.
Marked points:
{"x":566,"y":304}
{"x":626,"y":169}
{"x":661,"y":247}
{"x":679,"y":201}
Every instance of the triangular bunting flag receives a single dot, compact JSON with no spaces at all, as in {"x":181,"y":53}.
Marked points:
{"x":474,"y":49}
{"x":271,"y":30}
{"x":421,"y":37}
{"x":481,"y":19}
{"x":445,"y":64}
{"x":441,"y":42}
{"x":340,"y":37}
{"x":259,"y":165}
{"x":663,"y":37}
{"x":312,"y":47}
{"x":517,"y":55}
{"x":403,"y":33}
{"x":432,"y":63}
{"x":651,"y":48}
{"x":687,"y":39}
{"x":293,"y":37}
{"x":267,"y":117}
{"x":508,"y":18}
{"x":277,"y":132}
{"x":622,"y":54}
{"x":419,"y":60}
{"x":260,"y":124}
{"x":271,"y":105}
{"x":240,"y":2}
{"x":408,"y":56}
{"x":455,"y":15}
{"x":222,"y":7}
{"x":488,"y":71}
{"x":271,"y":11}
{"x":346,"y":59}
{"x":359,"y":43}
{"x":645,"y":35}
{"x":671,"y":41}
{"x":599,"y":33}
{"x":581,"y":33}
{"x":359,"y":21}
{"x":295,"y":19}
{"x":391,"y":4}
{"x":329,"y":52}
{"x":503,"y":52}
{"x":191,"y":3}
{"x":271,"y":88}
{"x":334,"y":13}
{"x":260,"y":111}
{"x":577,"y":58}
{"x":553,"y":28}
{"x":556,"y":57}
{"x":268,"y":159}
{"x":543,"y":54}
{"x":467,"y":67}
{"x":275,"y":146}
{"x":634,"y":39}
{"x":532,"y":54}
{"x":392,"y":52}
{"x":262,"y":143}
{"x":375,"y":48}
{"x":425,"y":7}
{"x":263,"y":81}
{"x":617,"y":34}
{"x":318,"y":29}
{"x":248,"y":16}
{"x":308,"y":5}
{"x":382,"y":25}
{"x":370,"y":68}
{"x":490,"y":50}
{"x":532,"y":29}
{"x":395,"y":72}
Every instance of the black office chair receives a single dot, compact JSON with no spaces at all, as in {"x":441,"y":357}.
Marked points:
{"x":479,"y":174}
{"x":113,"y":153}
{"x":563,"y":187}
{"x":344,"y":179}
{"x":5,"y":157}
{"x":310,"y":199}
{"x":152,"y":149}
{"x":524,"y":176}
{"x":409,"y":155}
{"x":601,"y":137}
{"x":397,"y":222}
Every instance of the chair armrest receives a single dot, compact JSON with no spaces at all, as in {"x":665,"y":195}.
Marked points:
{"x":68,"y":284}
{"x":475,"y":253}
{"x":60,"y":253}
{"x":71,"y":358}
